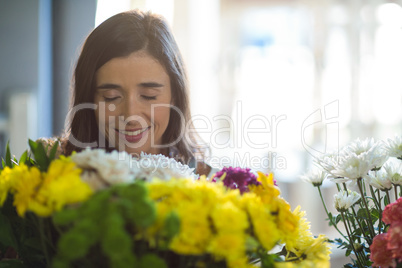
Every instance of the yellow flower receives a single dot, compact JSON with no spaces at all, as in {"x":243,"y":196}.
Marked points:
{"x":264,"y":226}
{"x":229,"y":218}
{"x":5,"y":184}
{"x":25,"y":184}
{"x":195,"y":231}
{"x":229,"y":246}
{"x":307,"y":249}
{"x":61,"y":185}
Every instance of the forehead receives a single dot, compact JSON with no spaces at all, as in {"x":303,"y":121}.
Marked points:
{"x":139,"y":64}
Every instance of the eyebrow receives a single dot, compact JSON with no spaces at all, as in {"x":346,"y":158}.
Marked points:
{"x":145,"y":85}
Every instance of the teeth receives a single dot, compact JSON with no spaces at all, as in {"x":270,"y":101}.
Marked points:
{"x":132,"y":133}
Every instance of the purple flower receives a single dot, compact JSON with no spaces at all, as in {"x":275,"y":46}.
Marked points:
{"x":237,"y":178}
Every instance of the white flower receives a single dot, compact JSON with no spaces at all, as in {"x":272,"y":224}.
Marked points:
{"x":393,"y":170}
{"x":345,"y":199}
{"x":314,"y":176}
{"x":328,"y":162}
{"x":111,"y":168}
{"x":368,"y":150}
{"x":379,"y":179}
{"x":394,"y":147}
{"x":351,"y":167}
{"x":150,"y":166}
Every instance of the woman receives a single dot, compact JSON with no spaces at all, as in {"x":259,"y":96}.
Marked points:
{"x":130,"y":92}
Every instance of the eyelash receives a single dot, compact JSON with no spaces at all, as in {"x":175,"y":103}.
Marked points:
{"x":143,"y":96}
{"x":110,"y":99}
{"x":148,"y":97}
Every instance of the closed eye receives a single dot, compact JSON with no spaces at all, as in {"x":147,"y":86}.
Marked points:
{"x":148,"y":97}
{"x":110,"y":99}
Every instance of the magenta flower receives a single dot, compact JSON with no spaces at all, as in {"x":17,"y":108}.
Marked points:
{"x":238,"y":178}
{"x":393,"y":212}
{"x":395,"y":240}
{"x":380,"y":255}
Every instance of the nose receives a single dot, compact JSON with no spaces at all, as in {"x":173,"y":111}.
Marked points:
{"x":132,"y":111}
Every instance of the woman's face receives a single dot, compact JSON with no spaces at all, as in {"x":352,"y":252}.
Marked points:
{"x":133,"y":98}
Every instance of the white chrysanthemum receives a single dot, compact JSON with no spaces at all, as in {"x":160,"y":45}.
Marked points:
{"x":351,"y":167}
{"x":345,"y":199}
{"x":111,"y":168}
{"x":394,"y":147}
{"x":393,"y":170}
{"x":150,"y":166}
{"x":379,"y":179}
{"x":314,"y":176}
{"x":328,"y":162}
{"x":368,"y":150}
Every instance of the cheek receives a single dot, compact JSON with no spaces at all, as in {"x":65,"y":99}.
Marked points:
{"x":161,"y":116}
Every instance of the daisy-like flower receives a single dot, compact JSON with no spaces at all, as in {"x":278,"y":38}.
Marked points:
{"x":328,"y":162}
{"x":379,"y":179}
{"x":149,"y":166}
{"x":394,"y":172}
{"x":345,"y":199}
{"x":106,"y":168}
{"x":394,"y":146}
{"x":314,"y":176}
{"x":351,"y":167}
{"x":368,"y":150}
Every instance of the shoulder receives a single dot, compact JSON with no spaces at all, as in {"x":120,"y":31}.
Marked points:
{"x":203,"y":168}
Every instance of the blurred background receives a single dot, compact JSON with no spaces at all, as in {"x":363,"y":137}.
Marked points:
{"x":273,"y":83}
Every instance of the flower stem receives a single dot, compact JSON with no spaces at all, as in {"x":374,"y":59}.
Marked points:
{"x":396,"y":192}
{"x":369,"y":221}
{"x":380,"y":213}
{"x":374,"y":197}
{"x":389,"y":198}
{"x":358,"y":222}
{"x":350,"y":240}
{"x":42,"y":240}
{"x":330,"y":218}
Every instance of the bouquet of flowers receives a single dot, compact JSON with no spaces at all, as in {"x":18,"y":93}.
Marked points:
{"x":368,"y":176}
{"x":100,"y":209}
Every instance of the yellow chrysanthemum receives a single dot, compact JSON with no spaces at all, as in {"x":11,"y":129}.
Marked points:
{"x":264,"y":226}
{"x":61,"y":185}
{"x":5,"y":184}
{"x":308,"y":249}
{"x":229,"y":218}
{"x":25,"y":184}
{"x":195,"y":231}
{"x":229,"y":246}
{"x":303,"y":264}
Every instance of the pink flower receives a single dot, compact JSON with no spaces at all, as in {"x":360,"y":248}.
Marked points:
{"x":393,"y":212}
{"x":395,"y":240}
{"x":380,"y":255}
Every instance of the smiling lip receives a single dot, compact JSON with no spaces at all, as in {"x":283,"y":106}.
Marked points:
{"x":133,"y":135}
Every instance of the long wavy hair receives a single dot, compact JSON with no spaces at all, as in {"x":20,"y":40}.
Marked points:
{"x":119,"y":36}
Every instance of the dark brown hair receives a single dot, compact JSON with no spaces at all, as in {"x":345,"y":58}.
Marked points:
{"x":119,"y":36}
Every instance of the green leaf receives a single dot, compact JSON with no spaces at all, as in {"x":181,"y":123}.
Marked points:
{"x":8,"y":156}
{"x":171,"y":225}
{"x":24,"y":157}
{"x":386,"y":200}
{"x":73,"y":245}
{"x":143,"y":213}
{"x":12,"y":264}
{"x":151,"y":260}
{"x":7,"y":237}
{"x":53,"y":151}
{"x":338,"y":218}
{"x":65,"y":217}
{"x":40,"y":156}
